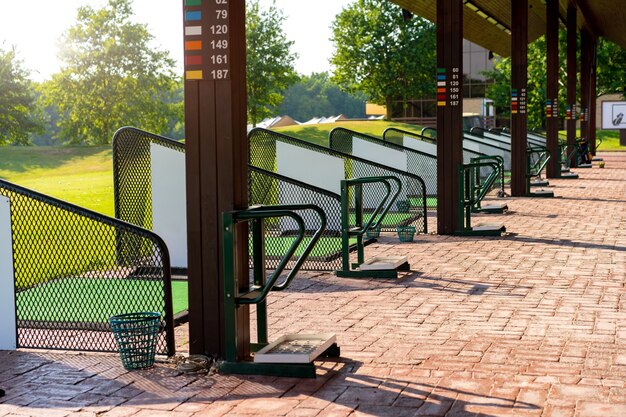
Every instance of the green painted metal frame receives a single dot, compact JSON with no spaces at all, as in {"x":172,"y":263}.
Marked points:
{"x":468,"y":197}
{"x":487,"y":184}
{"x":235,"y":297}
{"x":359,"y":229}
{"x":535,"y":169}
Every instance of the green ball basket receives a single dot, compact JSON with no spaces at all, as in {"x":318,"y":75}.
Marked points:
{"x":136,"y":335}
{"x":406,"y":233}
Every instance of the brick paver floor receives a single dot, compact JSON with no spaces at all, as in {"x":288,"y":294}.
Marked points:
{"x":529,"y":324}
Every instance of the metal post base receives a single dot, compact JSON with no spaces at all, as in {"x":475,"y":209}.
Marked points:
{"x":539,"y":183}
{"x":584,"y":165}
{"x":568,"y":176}
{"x":483,"y":230}
{"x":564,"y":169}
{"x":373,"y":273}
{"x":289,"y":370}
{"x":493,"y":209}
{"x":541,"y":193}
{"x":597,"y":159}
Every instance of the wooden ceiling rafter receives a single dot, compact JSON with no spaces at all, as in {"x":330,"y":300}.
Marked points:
{"x":599,"y":17}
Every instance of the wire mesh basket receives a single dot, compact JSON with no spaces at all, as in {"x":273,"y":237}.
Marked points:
{"x":136,"y":335}
{"x":373,"y":232}
{"x":406,"y":233}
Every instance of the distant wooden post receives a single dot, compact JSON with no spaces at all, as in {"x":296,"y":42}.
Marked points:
{"x":216,"y":163}
{"x":552,"y":88}
{"x":572,"y":83}
{"x":519,"y":81}
{"x":585,"y":74}
{"x":449,"y":112}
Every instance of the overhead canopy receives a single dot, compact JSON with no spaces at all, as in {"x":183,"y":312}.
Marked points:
{"x":488,"y":22}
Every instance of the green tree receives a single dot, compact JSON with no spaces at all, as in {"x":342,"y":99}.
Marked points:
{"x":316,"y":95}
{"x":382,"y":54}
{"x":611,"y":72}
{"x":270,"y":63}
{"x":110,"y":77}
{"x":18,"y":111}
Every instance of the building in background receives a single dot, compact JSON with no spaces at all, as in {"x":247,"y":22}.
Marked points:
{"x":423,"y":111}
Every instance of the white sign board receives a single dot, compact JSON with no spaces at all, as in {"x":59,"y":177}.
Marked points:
{"x":614,"y":115}
{"x":169,"y":201}
{"x":8,"y":329}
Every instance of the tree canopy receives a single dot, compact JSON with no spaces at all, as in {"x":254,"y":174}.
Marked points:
{"x":383,"y":54}
{"x":111,"y":76}
{"x":18,"y":110}
{"x":270,"y":62}
{"x":611,"y":72}
{"x":316,"y":95}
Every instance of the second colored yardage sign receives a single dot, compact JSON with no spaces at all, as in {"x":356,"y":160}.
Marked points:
{"x":207,"y":40}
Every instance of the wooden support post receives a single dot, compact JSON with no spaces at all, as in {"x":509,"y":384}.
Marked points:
{"x":216,"y":166}
{"x":519,"y":81}
{"x":449,"y":112}
{"x":585,"y":73}
{"x":572,"y":82}
{"x":552,"y":88}
{"x":593,"y":97}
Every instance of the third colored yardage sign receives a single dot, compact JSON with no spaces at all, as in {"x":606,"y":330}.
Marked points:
{"x":207,"y":40}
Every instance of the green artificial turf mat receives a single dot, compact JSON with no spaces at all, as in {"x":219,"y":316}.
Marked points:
{"x":94,"y":300}
{"x":277,"y":246}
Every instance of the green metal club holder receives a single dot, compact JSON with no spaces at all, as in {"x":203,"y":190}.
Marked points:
{"x":534,"y":169}
{"x":470,"y":195}
{"x":564,"y":170}
{"x":290,"y":355}
{"x":379,"y":267}
{"x":480,"y":188}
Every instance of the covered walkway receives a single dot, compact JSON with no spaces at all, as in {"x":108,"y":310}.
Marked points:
{"x":529,"y":324}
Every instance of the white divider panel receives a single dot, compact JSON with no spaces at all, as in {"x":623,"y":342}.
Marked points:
{"x":8,"y":323}
{"x":420,"y":145}
{"x":499,"y":138}
{"x":485,"y":146}
{"x":472,"y":146}
{"x":312,"y":168}
{"x":380,"y":154}
{"x":169,"y":201}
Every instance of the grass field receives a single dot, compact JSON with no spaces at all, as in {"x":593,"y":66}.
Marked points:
{"x":610,"y":140}
{"x":79,"y":175}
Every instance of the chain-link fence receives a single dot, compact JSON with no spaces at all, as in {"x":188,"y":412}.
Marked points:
{"x":132,"y":173}
{"x":403,"y":137}
{"x":75,"y":268}
{"x":324,"y":168}
{"x":472,"y":150}
{"x":268,"y":188}
{"x":398,"y":156}
{"x":133,"y":167}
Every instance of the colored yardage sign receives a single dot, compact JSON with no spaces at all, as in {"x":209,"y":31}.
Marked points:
{"x":448,"y":92}
{"x":207,"y":40}
{"x":518,"y":101}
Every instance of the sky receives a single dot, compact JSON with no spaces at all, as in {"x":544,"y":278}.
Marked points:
{"x":35,"y":30}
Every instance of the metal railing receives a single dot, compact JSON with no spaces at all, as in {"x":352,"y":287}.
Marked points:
{"x":263,"y":154}
{"x":75,"y":268}
{"x":132,"y":165}
{"x":417,"y":162}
